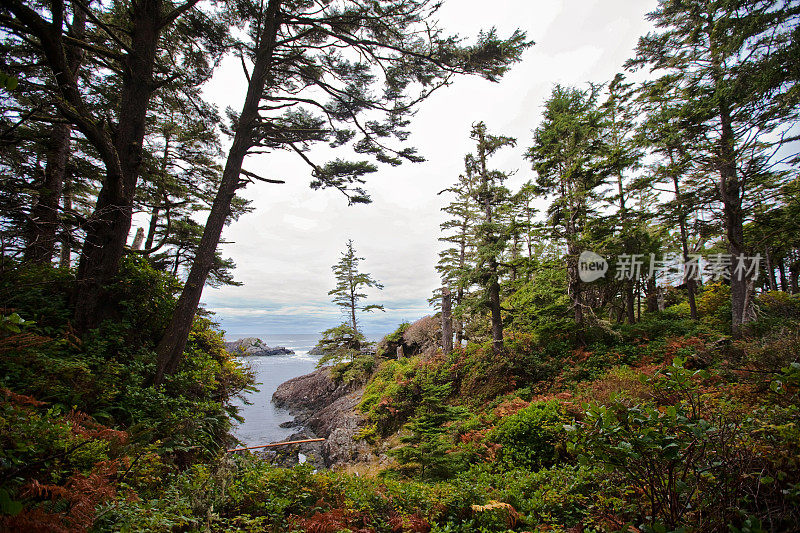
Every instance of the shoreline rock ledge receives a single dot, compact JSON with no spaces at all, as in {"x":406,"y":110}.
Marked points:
{"x":252,"y":346}
{"x":324,"y":408}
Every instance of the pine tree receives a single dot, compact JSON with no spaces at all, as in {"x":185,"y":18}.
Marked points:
{"x":734,"y":64}
{"x":663,"y":132}
{"x":456,"y":261}
{"x":427,"y":440}
{"x":303,"y":88}
{"x":565,"y":155}
{"x":340,"y":344}
{"x":621,"y":156}
{"x":524,"y":230}
{"x":350,"y":283}
{"x":491,"y":233}
{"x":133,"y":49}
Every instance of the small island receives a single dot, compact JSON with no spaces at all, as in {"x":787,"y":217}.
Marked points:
{"x":254,"y":347}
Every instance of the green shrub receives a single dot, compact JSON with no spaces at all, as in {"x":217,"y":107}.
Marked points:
{"x":428,"y":443}
{"x":714,"y":305}
{"x":532,"y":437}
{"x":693,"y":459}
{"x":341,"y":344}
{"x":541,"y":306}
{"x":388,"y":398}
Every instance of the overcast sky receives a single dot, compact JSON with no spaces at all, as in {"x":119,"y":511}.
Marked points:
{"x":284,"y":249}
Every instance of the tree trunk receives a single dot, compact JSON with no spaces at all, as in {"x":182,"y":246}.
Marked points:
{"x":45,"y":214}
{"x":108,"y":227}
{"x":782,"y":275}
{"x":138,"y":239}
{"x":153,"y":226}
{"x":462,"y":261}
{"x":514,"y":256}
{"x":497,"y":319}
{"x":628,"y":285}
{"x":639,"y":300}
{"x":494,"y":284}
{"x":529,"y":241}
{"x":447,"y":322}
{"x":630,"y":302}
{"x":170,"y":348}
{"x":353,"y":322}
{"x":573,"y":281}
{"x":66,"y":235}
{"x":652,"y":295}
{"x":459,"y":322}
{"x":772,"y":282}
{"x":151,"y":229}
{"x":691,"y":283}
{"x":731,"y":191}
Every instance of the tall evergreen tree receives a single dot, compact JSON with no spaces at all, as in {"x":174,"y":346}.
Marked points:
{"x":525,"y":229}
{"x":126,"y":45}
{"x":734,"y":62}
{"x":37,"y":165}
{"x":664,"y":133}
{"x":456,"y":261}
{"x":565,"y":152}
{"x":622,"y":156}
{"x":492,"y":235}
{"x":350,"y":283}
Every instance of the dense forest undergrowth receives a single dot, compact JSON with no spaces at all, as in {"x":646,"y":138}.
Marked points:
{"x":618,"y":341}
{"x":662,"y":425}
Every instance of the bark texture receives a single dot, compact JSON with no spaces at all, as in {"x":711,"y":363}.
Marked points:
{"x":170,"y":348}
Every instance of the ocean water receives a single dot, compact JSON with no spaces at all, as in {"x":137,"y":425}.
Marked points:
{"x":261,"y":418}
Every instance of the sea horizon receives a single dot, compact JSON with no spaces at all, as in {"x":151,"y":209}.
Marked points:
{"x":277,"y":338}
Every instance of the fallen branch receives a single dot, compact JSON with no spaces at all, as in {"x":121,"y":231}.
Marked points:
{"x":275,"y":444}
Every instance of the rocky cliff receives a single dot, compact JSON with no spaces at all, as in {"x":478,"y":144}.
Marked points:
{"x":324,"y":408}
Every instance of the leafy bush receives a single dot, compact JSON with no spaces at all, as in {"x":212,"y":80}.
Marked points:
{"x":359,"y":369}
{"x":714,"y":305}
{"x":108,"y":373}
{"x":56,"y":465}
{"x":541,"y":306}
{"x":532,"y":437}
{"x":562,"y":496}
{"x":692,"y":458}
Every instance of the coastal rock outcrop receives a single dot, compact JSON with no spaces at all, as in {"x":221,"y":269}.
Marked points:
{"x":252,"y":346}
{"x":421,"y":337}
{"x":325,"y":408}
{"x":316,"y":350}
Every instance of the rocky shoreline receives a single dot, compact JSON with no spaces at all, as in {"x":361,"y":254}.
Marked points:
{"x":322,"y":408}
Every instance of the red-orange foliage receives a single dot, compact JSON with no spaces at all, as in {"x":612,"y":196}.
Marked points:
{"x":83,"y":425}
{"x":20,"y":341}
{"x":70,"y":506}
{"x":21,"y":399}
{"x":82,"y":493}
{"x":676,"y":344}
{"x":414,"y":523}
{"x":332,"y":521}
{"x":510,"y":407}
